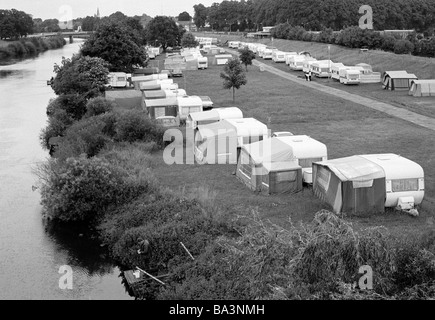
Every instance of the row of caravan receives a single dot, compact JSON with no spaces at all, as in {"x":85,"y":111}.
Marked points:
{"x":275,"y":165}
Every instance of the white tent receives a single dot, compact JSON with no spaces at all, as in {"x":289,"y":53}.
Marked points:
{"x":422,"y":88}
{"x":397,"y":80}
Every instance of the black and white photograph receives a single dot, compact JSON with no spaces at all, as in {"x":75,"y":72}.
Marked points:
{"x":227,"y":158}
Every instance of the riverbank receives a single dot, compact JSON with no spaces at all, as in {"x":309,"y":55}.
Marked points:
{"x":28,"y":47}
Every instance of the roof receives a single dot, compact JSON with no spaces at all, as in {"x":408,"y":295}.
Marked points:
{"x":247,"y":126}
{"x":189,"y":101}
{"x":220,"y":128}
{"x":424,"y":81}
{"x":269,"y":150}
{"x":280,"y":166}
{"x":154,"y":94}
{"x":174,"y":93}
{"x":305,"y":147}
{"x":396,"y":166}
{"x":229,"y":113}
{"x":204,"y":115}
{"x":354,"y":168}
{"x":160,"y":102}
{"x":400,"y":75}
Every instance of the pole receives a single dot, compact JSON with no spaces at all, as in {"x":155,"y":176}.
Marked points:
{"x":182,"y":244}
{"x":329,"y":61}
{"x":149,"y":275}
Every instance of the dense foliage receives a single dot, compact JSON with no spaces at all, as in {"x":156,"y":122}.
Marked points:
{"x":246,"y":56}
{"x":355,"y":37}
{"x":189,"y":41}
{"x":118,"y":45}
{"x":15,"y":24}
{"x":81,"y":75}
{"x":164,"y":31}
{"x":316,"y":14}
{"x":234,"y":76}
{"x":30,"y":46}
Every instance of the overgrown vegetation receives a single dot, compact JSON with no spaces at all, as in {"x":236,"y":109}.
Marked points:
{"x":355,"y":37}
{"x":30,"y":46}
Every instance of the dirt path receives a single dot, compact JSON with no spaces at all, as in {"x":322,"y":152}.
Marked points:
{"x":389,"y":109}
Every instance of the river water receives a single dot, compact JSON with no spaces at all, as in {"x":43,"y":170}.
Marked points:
{"x":31,"y":254}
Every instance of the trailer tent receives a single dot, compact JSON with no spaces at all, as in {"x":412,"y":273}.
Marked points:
{"x":269,"y":166}
{"x":368,"y":183}
{"x":397,"y":80}
{"x":158,"y":86}
{"x":160,"y":107}
{"x":145,"y":71}
{"x":422,"y":88}
{"x":221,"y":59}
{"x":246,"y":131}
{"x":160,"y":94}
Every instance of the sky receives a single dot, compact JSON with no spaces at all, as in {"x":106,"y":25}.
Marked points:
{"x":65,"y":9}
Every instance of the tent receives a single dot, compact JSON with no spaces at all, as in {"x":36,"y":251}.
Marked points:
{"x":422,"y":88}
{"x":160,"y":107}
{"x":269,"y":166}
{"x":397,"y":80}
{"x":216,"y":143}
{"x":196,"y":119}
{"x":367,"y":183}
{"x":221,"y":59}
{"x":242,"y":131}
{"x":156,"y":76}
{"x":306,"y":150}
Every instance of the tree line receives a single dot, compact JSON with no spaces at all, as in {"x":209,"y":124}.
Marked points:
{"x":315,"y":15}
{"x":15,"y":24}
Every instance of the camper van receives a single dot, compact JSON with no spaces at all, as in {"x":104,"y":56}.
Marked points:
{"x":268,"y":53}
{"x":202,"y":63}
{"x":297,"y":62}
{"x":288,"y":55}
{"x":308,"y":65}
{"x":160,"y":107}
{"x":117,"y":80}
{"x":335,"y":70}
{"x":233,"y":44}
{"x":221,"y":59}
{"x":321,"y":69}
{"x":349,"y":76}
{"x":278,"y":56}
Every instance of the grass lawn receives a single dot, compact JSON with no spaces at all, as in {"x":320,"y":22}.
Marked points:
{"x":423,"y":68}
{"x":346,"y":128}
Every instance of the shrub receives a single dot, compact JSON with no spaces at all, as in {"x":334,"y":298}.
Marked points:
{"x":388,"y":43}
{"x":17,"y":48}
{"x":79,"y":189}
{"x":58,"y":122}
{"x":98,"y":105}
{"x":73,"y":104}
{"x":136,"y":126}
{"x":30,"y":47}
{"x":403,"y":47}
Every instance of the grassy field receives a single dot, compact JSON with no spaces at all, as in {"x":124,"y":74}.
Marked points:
{"x":423,"y":68}
{"x":346,"y":128}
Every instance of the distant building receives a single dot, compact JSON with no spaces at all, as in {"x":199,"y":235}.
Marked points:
{"x":189,"y":26}
{"x":66,"y":25}
{"x":97,"y":15}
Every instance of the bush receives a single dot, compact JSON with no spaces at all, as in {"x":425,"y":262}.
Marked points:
{"x":403,"y":47}
{"x":17,"y":48}
{"x":98,"y":105}
{"x":58,"y":122}
{"x":79,"y":189}
{"x":136,"y":126}
{"x":388,"y":43}
{"x":30,"y":47}
{"x":83,"y":137}
{"x":73,"y":104}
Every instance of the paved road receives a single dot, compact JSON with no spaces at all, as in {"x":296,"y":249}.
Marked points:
{"x":389,"y":109}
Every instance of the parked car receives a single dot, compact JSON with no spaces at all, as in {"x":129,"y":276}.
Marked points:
{"x":168,"y":121}
{"x":282,"y":134}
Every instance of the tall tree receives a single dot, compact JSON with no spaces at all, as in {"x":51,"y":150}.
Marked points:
{"x":116,"y":44}
{"x":164,"y":31}
{"x":234,"y":76}
{"x":189,"y":41}
{"x":200,"y":16}
{"x":184,"y":16}
{"x":246,"y":56}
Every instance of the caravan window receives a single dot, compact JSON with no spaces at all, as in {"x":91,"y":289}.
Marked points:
{"x":401,"y":185}
{"x":323,"y":176}
{"x":308,"y":163}
{"x":159,"y":112}
{"x":121,"y":78}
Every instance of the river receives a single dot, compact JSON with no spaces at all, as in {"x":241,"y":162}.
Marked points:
{"x":31,"y":254}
